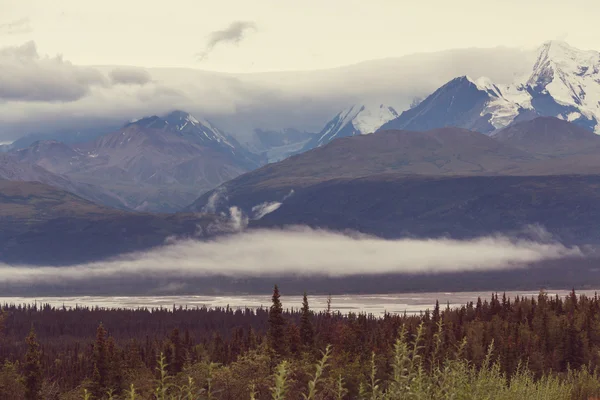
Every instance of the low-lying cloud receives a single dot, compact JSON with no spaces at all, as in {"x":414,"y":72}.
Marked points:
{"x":301,"y":251}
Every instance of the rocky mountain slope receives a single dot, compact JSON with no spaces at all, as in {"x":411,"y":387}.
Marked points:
{"x":12,"y":169}
{"x":152,"y":164}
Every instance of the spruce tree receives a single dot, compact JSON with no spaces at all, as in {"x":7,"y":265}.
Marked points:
{"x":436,"y":314}
{"x":100,"y":363}
{"x":33,"y":368}
{"x":306,"y":329}
{"x":276,"y":337}
{"x":177,"y":358}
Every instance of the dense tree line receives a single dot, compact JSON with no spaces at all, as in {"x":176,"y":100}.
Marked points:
{"x":225,"y":353}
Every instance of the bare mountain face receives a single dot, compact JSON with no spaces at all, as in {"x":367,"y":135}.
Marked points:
{"x":550,"y":136}
{"x":83,"y":132}
{"x":12,"y":169}
{"x":447,"y":181}
{"x":440,"y":152}
{"x":50,"y":154}
{"x":564,"y":82}
{"x":153,"y":164}
{"x":447,"y":151}
{"x":45,"y":225}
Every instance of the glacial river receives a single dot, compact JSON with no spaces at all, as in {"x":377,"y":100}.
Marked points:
{"x":376,"y":304}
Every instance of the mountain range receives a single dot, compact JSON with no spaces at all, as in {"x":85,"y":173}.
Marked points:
{"x":473,"y":158}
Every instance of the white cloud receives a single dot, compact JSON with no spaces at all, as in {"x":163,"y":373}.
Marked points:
{"x":304,"y":252}
{"x":234,"y":34}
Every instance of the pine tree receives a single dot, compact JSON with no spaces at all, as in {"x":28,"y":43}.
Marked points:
{"x":276,"y":338}
{"x":100,"y":363}
{"x":307,"y":334}
{"x":573,"y":345}
{"x":177,"y":355}
{"x":33,"y":368}
{"x":435,"y":318}
{"x":115,"y":369}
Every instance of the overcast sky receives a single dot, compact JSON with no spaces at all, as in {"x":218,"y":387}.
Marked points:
{"x":275,"y":35}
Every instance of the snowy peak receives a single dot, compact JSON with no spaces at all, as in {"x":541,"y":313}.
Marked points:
{"x":485,"y":84}
{"x":184,"y":124}
{"x":369,"y":119}
{"x":558,"y":60}
{"x":565,"y":82}
{"x":181,"y":119}
{"x":358,"y":119}
{"x":197,"y":128}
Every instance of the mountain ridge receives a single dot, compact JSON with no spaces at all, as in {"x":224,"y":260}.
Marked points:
{"x":390,"y":184}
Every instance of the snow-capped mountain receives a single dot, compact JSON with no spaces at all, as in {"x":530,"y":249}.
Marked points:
{"x":564,"y":82}
{"x":356,"y":120}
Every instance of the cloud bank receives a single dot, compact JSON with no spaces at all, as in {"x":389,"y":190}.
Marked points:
{"x":44,"y":94}
{"x":300,"y":251}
